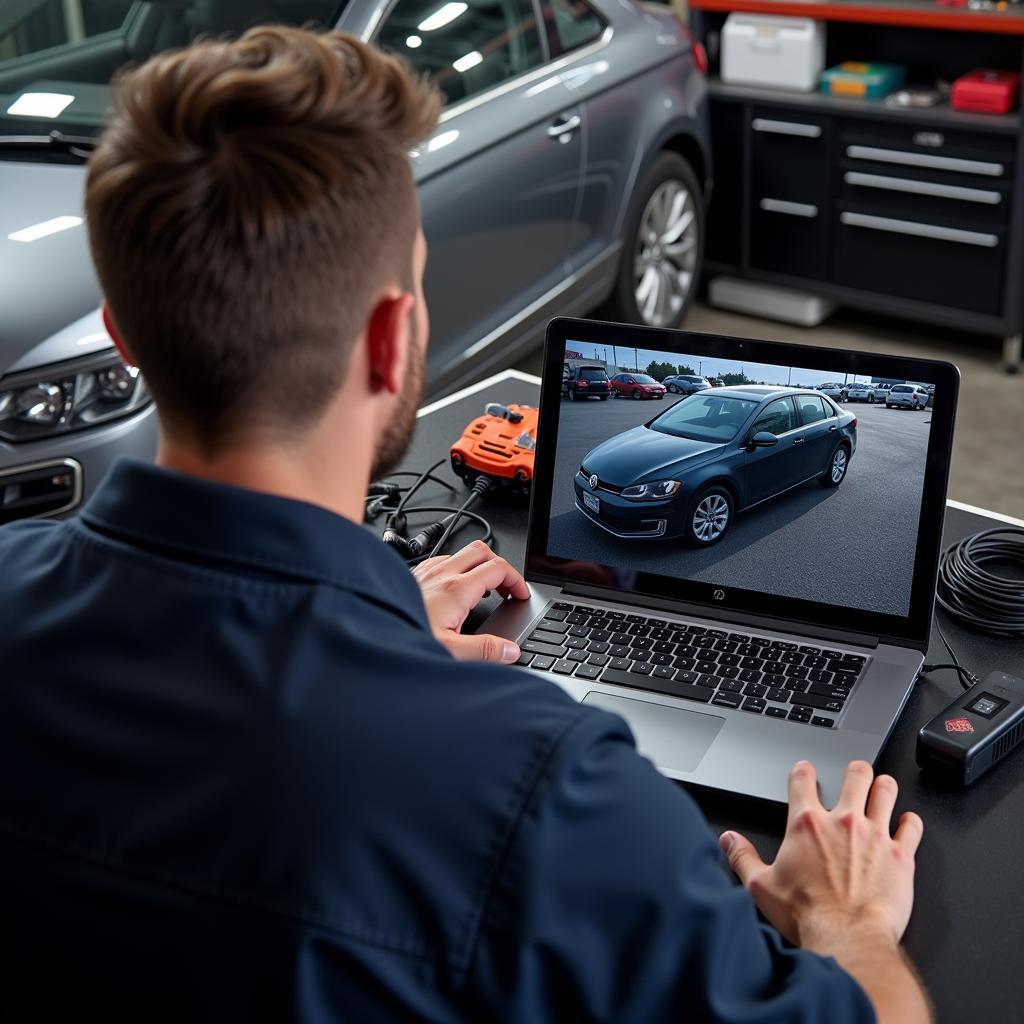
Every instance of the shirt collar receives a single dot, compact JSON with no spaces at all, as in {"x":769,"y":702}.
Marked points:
{"x":177,"y":513}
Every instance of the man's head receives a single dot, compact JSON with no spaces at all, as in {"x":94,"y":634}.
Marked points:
{"x":253,"y":215}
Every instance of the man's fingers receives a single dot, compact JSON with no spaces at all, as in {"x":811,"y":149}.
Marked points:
{"x":803,"y":788}
{"x":909,"y":833}
{"x":882,"y":799}
{"x":743,"y":858}
{"x":856,"y":785}
{"x":469,"y":557}
{"x":482,"y":647}
{"x":497,"y":574}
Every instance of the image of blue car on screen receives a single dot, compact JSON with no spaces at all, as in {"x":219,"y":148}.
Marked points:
{"x":687,"y":472}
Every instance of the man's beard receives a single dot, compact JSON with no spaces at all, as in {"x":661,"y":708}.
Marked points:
{"x":398,"y":435}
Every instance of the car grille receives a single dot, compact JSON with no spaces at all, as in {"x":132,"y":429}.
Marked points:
{"x":41,"y":489}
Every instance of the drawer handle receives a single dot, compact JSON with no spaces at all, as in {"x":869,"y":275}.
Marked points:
{"x":806,"y":131}
{"x":923,"y":188}
{"x":793,"y":209}
{"x":938,"y":163}
{"x":911,"y":227}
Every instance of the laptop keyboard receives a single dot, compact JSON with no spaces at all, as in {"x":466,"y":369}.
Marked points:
{"x":773,"y":678}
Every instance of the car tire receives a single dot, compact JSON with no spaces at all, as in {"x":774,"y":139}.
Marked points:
{"x":888,"y":406}
{"x":871,"y":399}
{"x":708,"y":508}
{"x":835,"y":474}
{"x":673,"y":389}
{"x":637,"y":393}
{"x":669,"y":172}
{"x":572,"y":394}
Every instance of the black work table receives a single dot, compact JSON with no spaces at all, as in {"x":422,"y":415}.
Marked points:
{"x":966,"y":934}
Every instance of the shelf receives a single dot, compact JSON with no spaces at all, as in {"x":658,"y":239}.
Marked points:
{"x":923,"y":14}
{"x":942,"y":115}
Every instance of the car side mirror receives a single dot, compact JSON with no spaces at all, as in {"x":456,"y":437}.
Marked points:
{"x":763,"y":439}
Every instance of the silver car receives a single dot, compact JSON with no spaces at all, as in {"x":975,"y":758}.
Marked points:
{"x":837,"y":392}
{"x":906,"y":396}
{"x":685,"y":383}
{"x":860,"y":392}
{"x":569,"y":172}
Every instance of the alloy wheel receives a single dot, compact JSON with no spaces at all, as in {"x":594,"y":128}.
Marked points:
{"x":665,"y":260}
{"x":711,"y":518}
{"x":838,"y":465}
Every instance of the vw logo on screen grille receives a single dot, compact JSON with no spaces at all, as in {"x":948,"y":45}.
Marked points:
{"x":719,"y":595}
{"x":593,"y":481}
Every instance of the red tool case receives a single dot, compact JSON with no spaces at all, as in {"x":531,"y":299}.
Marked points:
{"x":987,"y":92}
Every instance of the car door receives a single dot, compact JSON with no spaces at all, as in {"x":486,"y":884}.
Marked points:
{"x":819,"y":427}
{"x":499,"y":177}
{"x":771,"y":470}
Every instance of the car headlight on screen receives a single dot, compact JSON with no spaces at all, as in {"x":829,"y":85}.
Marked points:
{"x":69,"y":396}
{"x":655,"y":491}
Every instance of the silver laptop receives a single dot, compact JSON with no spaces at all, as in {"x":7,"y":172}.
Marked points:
{"x":733,"y":545}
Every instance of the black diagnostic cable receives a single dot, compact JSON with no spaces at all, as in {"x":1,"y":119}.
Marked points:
{"x":430,"y":540}
{"x":976,"y":596}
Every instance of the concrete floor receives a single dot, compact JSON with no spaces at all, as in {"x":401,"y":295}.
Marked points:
{"x":988,"y":451}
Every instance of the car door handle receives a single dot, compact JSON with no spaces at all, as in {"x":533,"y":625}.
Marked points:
{"x":563,"y":128}
{"x":832,"y":428}
{"x":798,"y":440}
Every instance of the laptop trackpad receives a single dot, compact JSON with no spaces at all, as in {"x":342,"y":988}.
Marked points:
{"x":671,"y":737}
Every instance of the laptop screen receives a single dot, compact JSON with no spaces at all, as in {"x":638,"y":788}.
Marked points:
{"x":740,"y":472}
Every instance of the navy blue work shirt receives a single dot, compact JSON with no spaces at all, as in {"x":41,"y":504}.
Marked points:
{"x":240,"y":780}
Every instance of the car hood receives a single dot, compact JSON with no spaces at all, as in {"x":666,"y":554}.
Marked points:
{"x":48,"y":284}
{"x":642,"y":454}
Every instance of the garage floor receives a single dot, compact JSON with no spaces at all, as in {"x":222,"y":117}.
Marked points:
{"x":987,"y":453}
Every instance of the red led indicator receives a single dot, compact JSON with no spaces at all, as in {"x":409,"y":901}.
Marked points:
{"x":959,"y":725}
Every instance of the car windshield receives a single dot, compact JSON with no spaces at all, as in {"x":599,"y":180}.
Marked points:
{"x":57,"y":57}
{"x":642,"y":378}
{"x":705,"y":417}
{"x":593,"y":373}
{"x":695,"y":380}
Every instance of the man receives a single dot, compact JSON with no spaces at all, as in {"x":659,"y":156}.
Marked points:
{"x":243,"y":776}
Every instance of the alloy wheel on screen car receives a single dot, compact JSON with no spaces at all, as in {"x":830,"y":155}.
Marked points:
{"x":838,"y":465}
{"x":711,"y":518}
{"x":666,"y":253}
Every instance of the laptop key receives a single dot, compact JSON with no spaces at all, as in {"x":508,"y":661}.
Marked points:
{"x":796,"y":715}
{"x":576,"y":618}
{"x":754,"y":704}
{"x":819,"y":703}
{"x":641,"y":668}
{"x":564,"y":667}
{"x":641,"y":619}
{"x":552,"y":626}
{"x":792,"y":658}
{"x":562,"y":606}
{"x":754,"y":664}
{"x":832,"y":655}
{"x":730,"y":686}
{"x":741,"y":638}
{"x":699,"y":630}
{"x":664,"y":672}
{"x":545,"y":637}
{"x":525,"y":658}
{"x":615,"y":615}
{"x":637,"y":630}
{"x":829,"y":690}
{"x":708,"y":680}
{"x":718,"y":634}
{"x":815,"y":663}
{"x":726,"y":646}
{"x":748,"y":650}
{"x":660,"y":634}
{"x":775,"y":712}
{"x":579,"y":631}
{"x":688,"y":677}
{"x":660,"y":659}
{"x":857,"y":659}
{"x":823,"y":721}
{"x":819,"y":675}
{"x":727,"y":700}
{"x":597,"y":648}
{"x":726,"y":671}
{"x":844,"y":679}
{"x":576,"y":643}
{"x":620,"y":638}
{"x":729,"y":659}
{"x":621,"y":664}
{"x":796,"y":672}
{"x":706,"y":666}
{"x":702,"y":642}
{"x":588,"y":672}
{"x":542,"y":662}
{"x":557,"y":614}
{"x":680,"y":637}
{"x":664,"y":647}
{"x":600,"y":635}
{"x":772,"y":679}
{"x":749,"y":675}
{"x":784,"y":645}
{"x":796,"y":685}
{"x":618,"y":650}
{"x":597,"y":622}
{"x":755,"y":690}
{"x":804,"y":649}
{"x":686,"y":664}
{"x":638,"y":655}
{"x":661,"y":623}
{"x":598,"y":659}
{"x":778,"y":693}
{"x":536,"y":647}
{"x":838,"y":666}
{"x":641,"y":643}
{"x":578,"y":656}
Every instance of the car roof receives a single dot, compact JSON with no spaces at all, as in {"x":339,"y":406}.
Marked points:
{"x":760,"y":391}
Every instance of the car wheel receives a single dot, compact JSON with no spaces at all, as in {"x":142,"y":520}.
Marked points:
{"x":673,"y":389}
{"x":572,"y":394}
{"x":663,"y":247}
{"x":709,"y":517}
{"x":637,"y":394}
{"x":837,"y":466}
{"x":887,"y":405}
{"x":871,"y":399}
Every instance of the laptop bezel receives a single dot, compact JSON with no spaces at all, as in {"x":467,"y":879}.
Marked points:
{"x":912,"y":630}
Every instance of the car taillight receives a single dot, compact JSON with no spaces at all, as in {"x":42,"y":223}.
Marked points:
{"x":854,"y":423}
{"x":700,"y":55}
{"x":581,"y":383}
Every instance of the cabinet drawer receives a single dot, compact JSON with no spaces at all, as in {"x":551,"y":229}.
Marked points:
{"x":789,"y":157}
{"x":910,"y":145}
{"x":920,"y":259}
{"x":905,"y":192}
{"x":789,"y":238}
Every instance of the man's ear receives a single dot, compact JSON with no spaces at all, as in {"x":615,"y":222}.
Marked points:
{"x":388,"y":338}
{"x":115,"y":336}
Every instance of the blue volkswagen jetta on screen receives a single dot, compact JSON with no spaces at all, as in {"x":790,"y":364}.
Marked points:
{"x":687,"y":472}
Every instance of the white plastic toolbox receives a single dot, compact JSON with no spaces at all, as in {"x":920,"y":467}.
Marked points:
{"x":783,"y":53}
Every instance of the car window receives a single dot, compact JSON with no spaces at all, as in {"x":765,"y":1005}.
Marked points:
{"x":574,"y":24}
{"x":593,"y":373}
{"x":705,"y":417}
{"x":777,"y":417}
{"x":901,"y":388}
{"x":465,"y":48}
{"x":84,"y":42}
{"x":643,"y":378}
{"x":812,"y":409}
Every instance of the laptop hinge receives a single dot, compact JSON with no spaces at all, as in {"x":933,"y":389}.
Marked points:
{"x":702,"y":611}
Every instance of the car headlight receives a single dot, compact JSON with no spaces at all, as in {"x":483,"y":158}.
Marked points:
{"x":655,"y":491}
{"x":69,"y":396}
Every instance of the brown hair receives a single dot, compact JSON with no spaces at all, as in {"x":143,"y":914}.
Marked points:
{"x":246,"y":204}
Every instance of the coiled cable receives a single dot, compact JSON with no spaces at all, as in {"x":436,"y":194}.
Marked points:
{"x":970,"y":591}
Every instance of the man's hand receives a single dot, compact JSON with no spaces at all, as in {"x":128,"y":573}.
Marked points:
{"x":841,"y":885}
{"x":453,"y":585}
